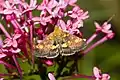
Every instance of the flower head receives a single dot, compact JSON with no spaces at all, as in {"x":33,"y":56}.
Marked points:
{"x":105,"y":28}
{"x":29,"y":7}
{"x":12,"y":42}
{"x":9,"y":8}
{"x":99,"y":76}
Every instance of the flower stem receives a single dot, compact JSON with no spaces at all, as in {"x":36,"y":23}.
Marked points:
{"x":4,"y":31}
{"x":91,"y":38}
{"x":16,"y":25}
{"x":7,"y":64}
{"x":79,"y":76}
{"x":18,"y":66}
{"x":95,"y":44}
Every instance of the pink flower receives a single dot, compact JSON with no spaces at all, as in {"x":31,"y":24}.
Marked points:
{"x":10,"y":8}
{"x":71,"y":27}
{"x":47,"y":5}
{"x":99,"y":76}
{"x":78,"y":13}
{"x":30,"y":7}
{"x":42,"y":20}
{"x":11,"y":45}
{"x":12,"y":42}
{"x":59,"y":9}
{"x":51,"y":76}
{"x":105,"y":28}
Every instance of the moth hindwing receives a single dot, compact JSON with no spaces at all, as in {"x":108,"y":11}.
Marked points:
{"x":59,"y":42}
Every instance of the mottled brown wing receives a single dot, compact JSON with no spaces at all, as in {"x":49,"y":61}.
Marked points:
{"x":46,"y":49}
{"x":71,"y":45}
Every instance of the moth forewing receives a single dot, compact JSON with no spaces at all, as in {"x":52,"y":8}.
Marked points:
{"x":46,"y":49}
{"x":73,"y":45}
{"x":59,"y":42}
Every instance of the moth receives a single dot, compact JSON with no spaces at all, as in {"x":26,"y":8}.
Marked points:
{"x":59,"y":42}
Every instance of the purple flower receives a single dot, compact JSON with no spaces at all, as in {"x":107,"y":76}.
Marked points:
{"x":99,"y":76}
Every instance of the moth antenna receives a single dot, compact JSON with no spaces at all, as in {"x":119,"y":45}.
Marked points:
{"x":110,"y":18}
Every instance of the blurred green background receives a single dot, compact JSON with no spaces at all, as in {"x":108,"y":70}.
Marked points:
{"x":107,"y":55}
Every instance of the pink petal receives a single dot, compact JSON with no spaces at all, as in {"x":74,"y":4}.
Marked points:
{"x":62,"y":4}
{"x":8,"y":11}
{"x":96,"y":72}
{"x":43,"y":23}
{"x":52,"y":3}
{"x":16,"y":36}
{"x":105,"y":77}
{"x":7,"y":40}
{"x":110,"y":35}
{"x":8,"y":44}
{"x":36,"y":18}
{"x":43,"y":5}
{"x":97,"y":25}
{"x":85,"y":16}
{"x":62,"y":24}
{"x":40,"y":7}
{"x":33,"y":3}
{"x":48,"y":19}
{"x":7,"y":4}
{"x":15,"y":51}
{"x":107,"y":27}
{"x":51,"y":77}
{"x":76,"y":8}
{"x":73,"y":15}
{"x":71,"y":1}
{"x":14,"y":44}
{"x":25,"y":5}
{"x":2,"y":55}
{"x":106,"y":31}
{"x":45,"y":2}
{"x":17,"y":13}
{"x":48,"y":62}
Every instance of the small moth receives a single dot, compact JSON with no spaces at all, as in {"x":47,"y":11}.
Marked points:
{"x":59,"y":42}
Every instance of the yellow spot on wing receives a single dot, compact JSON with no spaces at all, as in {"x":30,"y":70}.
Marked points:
{"x":39,"y":46}
{"x":64,"y":45}
{"x":54,"y":47}
{"x":78,"y":40}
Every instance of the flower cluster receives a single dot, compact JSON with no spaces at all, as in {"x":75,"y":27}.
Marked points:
{"x":22,"y":27}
